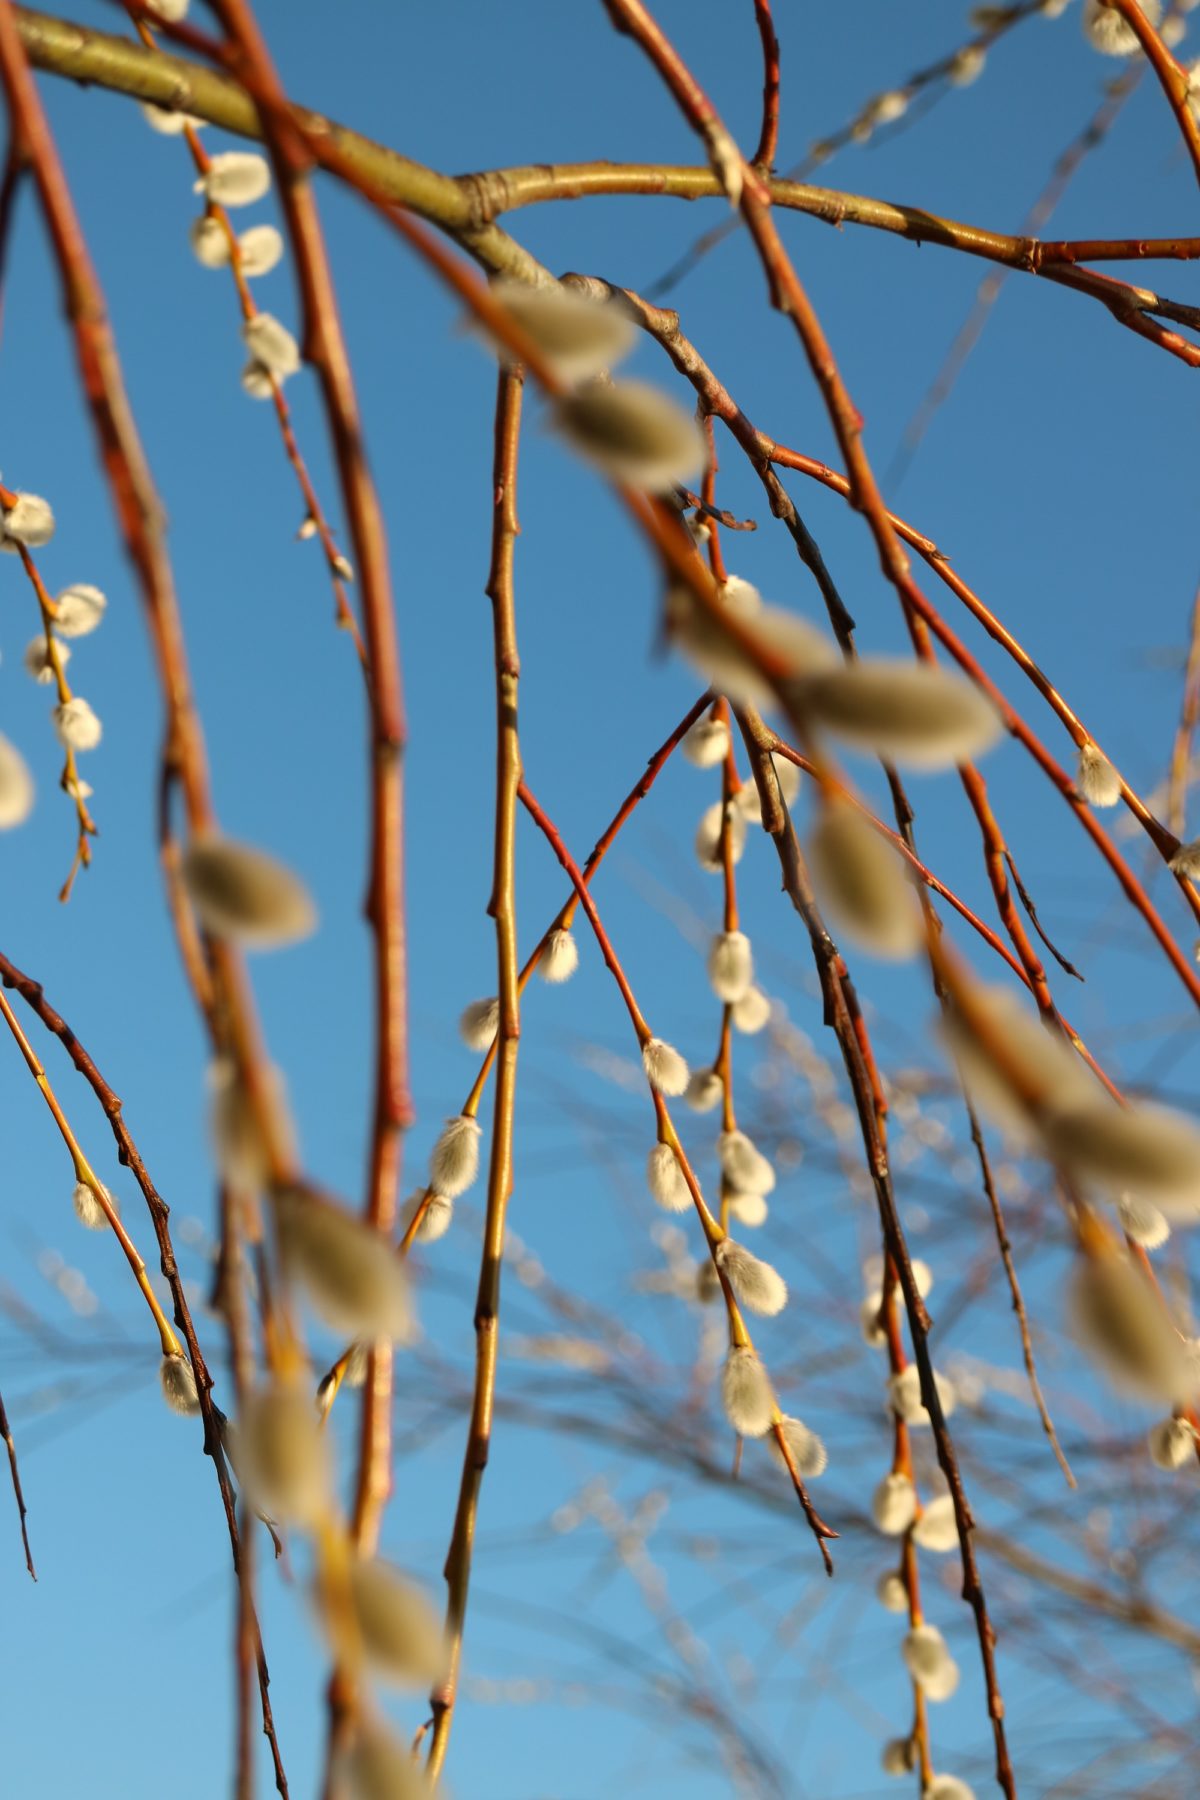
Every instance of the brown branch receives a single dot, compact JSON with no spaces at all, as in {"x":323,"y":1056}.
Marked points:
{"x":1172,"y":77}
{"x":15,"y":1477}
{"x":768,"y":137}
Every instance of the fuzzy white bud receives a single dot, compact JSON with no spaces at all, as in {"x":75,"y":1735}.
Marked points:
{"x":1096,"y":781}
{"x":894,"y":1505}
{"x":78,"y":610}
{"x":748,"y":1209}
{"x":948,"y":1787}
{"x":1120,"y":1321}
{"x":665,"y":1069}
{"x":861,"y":882}
{"x":746,"y":1393}
{"x":709,"y":851}
{"x":379,"y":1767}
{"x":929,"y":1662}
{"x":38,"y":660}
{"x":1106,"y":31}
{"x":967,"y":66}
{"x":271,"y":345}
{"x":707,"y":743}
{"x":241,"y":893}
{"x":904,"y":1394}
{"x":258,"y":382}
{"x":937,"y":1527}
{"x":730,"y":665}
{"x":454,"y":1163}
{"x":743,"y":1165}
{"x":350,"y":1272}
{"x":807,"y":1451}
{"x":726,"y":160}
{"x":756,"y":1284}
{"x":1171,"y":1444}
{"x":76,"y":725}
{"x":166,"y":121}
{"x":235,"y":178}
{"x":400,"y":1634}
{"x":730,"y":966}
{"x":88,"y":1209}
{"x":171,"y":10}
{"x":1186,"y":860}
{"x":560,"y":957}
{"x":892,"y":1592}
{"x":209,"y":241}
{"x":898,"y":1757}
{"x":633,"y":433}
{"x":240,"y":1148}
{"x":868,"y":1318}
{"x":16,"y":787}
{"x":752,"y":1011}
{"x":705,"y":1090}
{"x":29,"y":521}
{"x":282,"y":1456}
{"x":479,"y":1023}
{"x":664,"y":1178}
{"x":259,"y":250}
{"x":435,"y":1220}
{"x":578,"y":336}
{"x":915,"y":714}
{"x":179,"y":1384}
{"x":1142,"y":1222}
{"x":1146,"y":1150}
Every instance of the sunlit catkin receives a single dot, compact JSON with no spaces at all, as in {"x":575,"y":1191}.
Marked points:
{"x":748,"y":1209}
{"x":914,"y":714}
{"x":730,"y":966}
{"x":1106,"y":31}
{"x":1142,"y":1222}
{"x":894,"y":1505}
{"x":1147,"y":1150}
{"x":400,"y":1633}
{"x":179,"y":1384}
{"x":756,"y":1284}
{"x":40,"y":663}
{"x":454,"y":1162}
{"x":768,"y":648}
{"x":235,"y":178}
{"x":479,"y":1022}
{"x":29,"y":521}
{"x":283,"y":1457}
{"x":807,"y":1451}
{"x":1172,"y":1443}
{"x":76,"y":725}
{"x":241,"y":893}
{"x":1096,"y":780}
{"x":1122,"y":1323}
{"x":664,"y":1178}
{"x":16,"y":787}
{"x":633,"y":433}
{"x":891,"y":1592}
{"x":743,"y":1164}
{"x":710,"y":849}
{"x":435,"y":1220}
{"x":746,"y":1393}
{"x":704,"y":1091}
{"x":259,"y":250}
{"x":350,"y":1272}
{"x":241,"y":1149}
{"x":559,"y":958}
{"x":752,"y":1012}
{"x":948,"y":1787}
{"x":88,"y":1209}
{"x":937,"y":1527}
{"x":707,"y":743}
{"x":898,"y":1757}
{"x":665,"y":1069}
{"x":271,"y":345}
{"x":379,"y":1766}
{"x":861,"y":883}
{"x":929,"y":1662}
{"x":209,"y":241}
{"x":78,"y":610}
{"x":578,"y":337}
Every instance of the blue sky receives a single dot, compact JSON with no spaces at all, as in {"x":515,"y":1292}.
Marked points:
{"x":1058,"y":478}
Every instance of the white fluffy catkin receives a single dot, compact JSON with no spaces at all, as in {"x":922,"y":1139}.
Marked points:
{"x":479,"y":1023}
{"x":704,"y":1090}
{"x":633,"y":433}
{"x":756,"y":1284}
{"x":1171,"y":1444}
{"x":807,"y":1451}
{"x":1142,"y":1222}
{"x":707,"y":743}
{"x":436,"y":1219}
{"x":560,"y":957}
{"x":29,"y":521}
{"x":78,"y":609}
{"x":752,"y":1011}
{"x":929,"y":1662}
{"x":179,"y":1384}
{"x":665,"y":1069}
{"x":746,"y":1393}
{"x":235,"y":178}
{"x":578,"y":336}
{"x":891,"y":1592}
{"x":743,"y":1165}
{"x":937,"y":1527}
{"x":665,"y":1180}
{"x":454,"y":1163}
{"x":400,"y":1632}
{"x":76,"y":725}
{"x":88,"y":1209}
{"x":16,"y":787}
{"x":242,"y":893}
{"x":730,"y":966}
{"x":1096,"y":781}
{"x":350,"y":1272}
{"x":893,"y":1505}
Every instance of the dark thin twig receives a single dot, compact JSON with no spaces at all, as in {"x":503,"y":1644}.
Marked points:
{"x":15,"y":1474}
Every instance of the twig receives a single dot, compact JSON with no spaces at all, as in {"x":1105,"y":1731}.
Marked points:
{"x":15,"y":1477}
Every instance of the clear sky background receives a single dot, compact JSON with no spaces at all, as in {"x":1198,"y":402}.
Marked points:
{"x":1061,"y":478}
